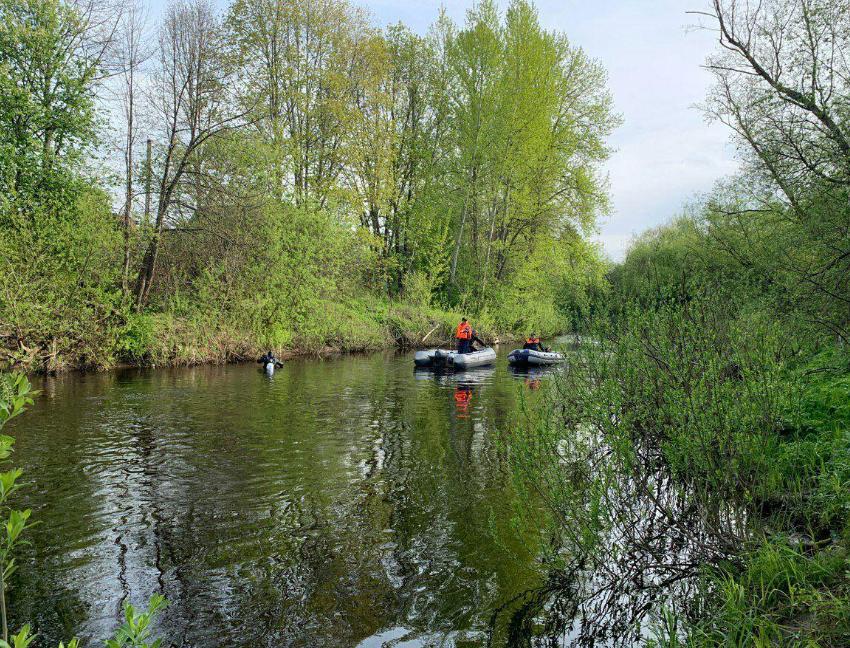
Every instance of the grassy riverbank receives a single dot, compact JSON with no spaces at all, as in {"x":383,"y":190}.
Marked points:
{"x":174,"y":339}
{"x":358,"y":326}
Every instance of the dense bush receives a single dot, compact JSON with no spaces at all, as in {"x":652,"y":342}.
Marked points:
{"x":695,"y":461}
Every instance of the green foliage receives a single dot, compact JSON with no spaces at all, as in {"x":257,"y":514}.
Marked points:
{"x":15,"y":396}
{"x":136,"y":630}
{"x":715,"y":401}
{"x":526,"y":168}
{"x":46,"y":103}
{"x":60,"y":301}
{"x":137,"y":339}
{"x":454,"y":170}
{"x":23,"y":639}
{"x":720,"y":370}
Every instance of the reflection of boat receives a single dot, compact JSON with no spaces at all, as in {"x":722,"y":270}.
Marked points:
{"x":475,"y":376}
{"x":526,"y":372}
{"x":428,"y":357}
{"x":534,"y":358}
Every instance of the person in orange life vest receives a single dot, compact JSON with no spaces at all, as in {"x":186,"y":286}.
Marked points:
{"x":464,"y":335}
{"x":533,"y":343}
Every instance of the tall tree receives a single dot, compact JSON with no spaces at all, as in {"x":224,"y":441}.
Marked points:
{"x":194,"y":101}
{"x":51,"y":59}
{"x":132,"y":52}
{"x":531,"y":115}
{"x":782,"y":75}
{"x":299,"y":60}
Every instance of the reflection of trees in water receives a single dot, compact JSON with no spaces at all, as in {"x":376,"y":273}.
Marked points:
{"x":629,"y":546}
{"x":317,"y":509}
{"x":86,"y":497}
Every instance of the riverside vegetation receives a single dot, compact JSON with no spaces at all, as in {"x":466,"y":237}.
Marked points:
{"x":693,"y":466}
{"x":690,"y":477}
{"x":289,"y":176}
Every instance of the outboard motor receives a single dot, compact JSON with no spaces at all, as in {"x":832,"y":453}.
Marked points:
{"x":441,"y":358}
{"x":270,"y":368}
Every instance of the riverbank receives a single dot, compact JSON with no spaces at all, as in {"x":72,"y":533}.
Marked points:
{"x":184,"y":339}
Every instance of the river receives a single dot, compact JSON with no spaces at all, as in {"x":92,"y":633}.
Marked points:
{"x":342,"y":502}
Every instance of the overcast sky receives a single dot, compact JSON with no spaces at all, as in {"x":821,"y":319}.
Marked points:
{"x":665,"y":151}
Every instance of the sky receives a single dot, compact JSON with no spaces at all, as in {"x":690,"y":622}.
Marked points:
{"x":666,"y":154}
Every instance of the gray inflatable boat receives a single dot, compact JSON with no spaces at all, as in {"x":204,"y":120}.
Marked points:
{"x":534,"y":358}
{"x":480,"y":358}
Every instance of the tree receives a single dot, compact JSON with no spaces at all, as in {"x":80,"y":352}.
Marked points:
{"x":299,"y":60}
{"x":51,"y":60}
{"x":57,"y":243}
{"x":531,"y":116}
{"x":192,"y":96}
{"x":131,"y":55}
{"x":782,"y":75}
{"x":394,"y":152}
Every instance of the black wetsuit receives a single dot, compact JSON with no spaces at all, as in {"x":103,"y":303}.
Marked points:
{"x":267,"y":358}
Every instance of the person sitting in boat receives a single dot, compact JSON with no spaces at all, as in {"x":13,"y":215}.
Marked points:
{"x":269,"y":357}
{"x":464,"y":335}
{"x":532,"y":343}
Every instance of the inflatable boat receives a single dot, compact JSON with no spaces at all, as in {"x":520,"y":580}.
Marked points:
{"x":480,"y":358}
{"x":534,"y":358}
{"x":428,"y":358}
{"x":449,"y":359}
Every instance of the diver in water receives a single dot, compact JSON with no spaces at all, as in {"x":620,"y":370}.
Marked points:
{"x":270,"y":357}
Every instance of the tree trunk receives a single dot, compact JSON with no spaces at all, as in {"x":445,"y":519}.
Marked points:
{"x":148,"y":176}
{"x":146,"y":273}
{"x":128,"y":196}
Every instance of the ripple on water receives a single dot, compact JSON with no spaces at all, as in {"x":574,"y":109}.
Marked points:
{"x":342,"y":502}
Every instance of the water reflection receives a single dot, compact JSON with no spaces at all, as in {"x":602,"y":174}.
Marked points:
{"x":336,"y":503}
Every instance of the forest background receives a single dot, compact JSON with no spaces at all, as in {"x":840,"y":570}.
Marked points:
{"x":289,"y":176}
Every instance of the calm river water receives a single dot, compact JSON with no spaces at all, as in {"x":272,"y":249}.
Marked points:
{"x":344,"y":502}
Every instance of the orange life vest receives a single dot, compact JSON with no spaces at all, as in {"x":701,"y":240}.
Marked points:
{"x":533,"y":340}
{"x":464,"y":331}
{"x":463,"y":396}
